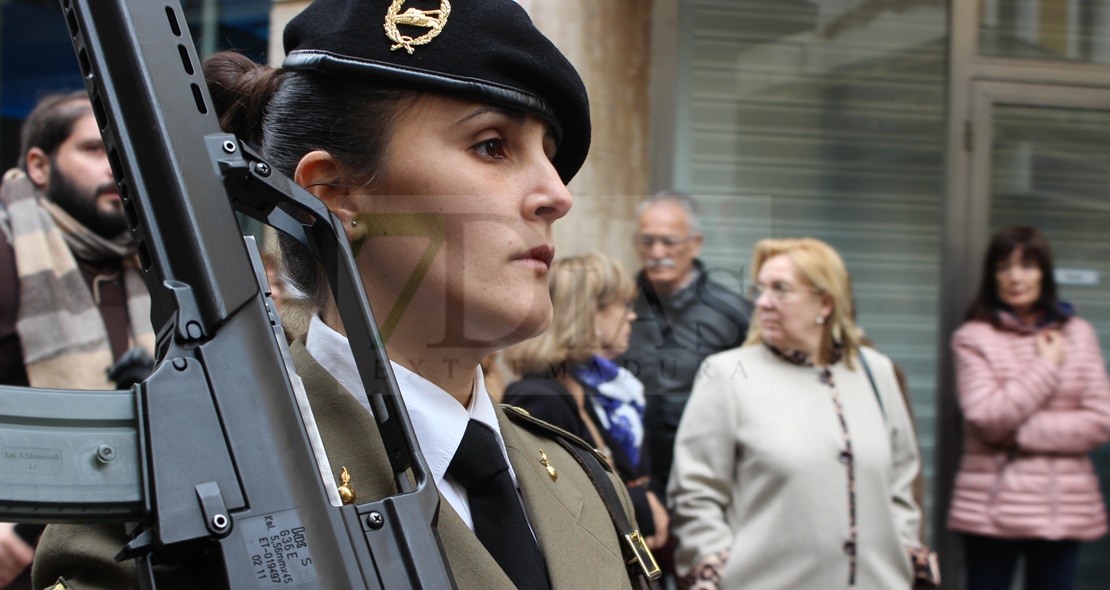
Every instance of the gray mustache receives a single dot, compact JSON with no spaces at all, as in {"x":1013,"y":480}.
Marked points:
{"x":660,"y":263}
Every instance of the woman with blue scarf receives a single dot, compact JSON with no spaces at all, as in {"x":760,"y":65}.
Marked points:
{"x":570,"y":380}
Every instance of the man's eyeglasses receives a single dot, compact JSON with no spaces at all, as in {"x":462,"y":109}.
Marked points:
{"x":777,"y":291}
{"x":647,"y":241}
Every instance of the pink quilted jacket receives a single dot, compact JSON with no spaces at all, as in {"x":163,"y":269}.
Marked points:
{"x":1028,"y":426}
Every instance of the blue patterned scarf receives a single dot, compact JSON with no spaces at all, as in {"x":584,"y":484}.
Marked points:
{"x":620,"y":405}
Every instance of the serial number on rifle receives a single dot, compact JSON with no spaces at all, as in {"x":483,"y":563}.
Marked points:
{"x":280,"y":551}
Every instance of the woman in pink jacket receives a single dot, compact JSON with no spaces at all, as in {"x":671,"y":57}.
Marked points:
{"x":1036,"y":400}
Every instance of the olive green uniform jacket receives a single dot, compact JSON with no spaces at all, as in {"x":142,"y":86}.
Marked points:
{"x":567,"y":515}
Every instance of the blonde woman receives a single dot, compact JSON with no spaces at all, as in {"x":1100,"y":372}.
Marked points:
{"x":792,"y":468}
{"x":571,"y":381}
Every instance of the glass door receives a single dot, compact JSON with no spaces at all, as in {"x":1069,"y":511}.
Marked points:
{"x":1041,"y":157}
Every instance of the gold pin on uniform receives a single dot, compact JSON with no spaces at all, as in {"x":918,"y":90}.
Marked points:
{"x":547,"y":465}
{"x":346,"y":492}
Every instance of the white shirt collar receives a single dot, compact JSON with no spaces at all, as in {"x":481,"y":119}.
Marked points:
{"x":437,"y":418}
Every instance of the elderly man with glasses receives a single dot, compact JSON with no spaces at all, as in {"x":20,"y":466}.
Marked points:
{"x":682,"y":317}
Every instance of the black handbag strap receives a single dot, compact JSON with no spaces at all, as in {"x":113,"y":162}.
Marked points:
{"x":924,"y":561}
{"x":871,"y":378}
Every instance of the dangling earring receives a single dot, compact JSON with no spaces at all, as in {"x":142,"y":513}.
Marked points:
{"x":820,"y":319}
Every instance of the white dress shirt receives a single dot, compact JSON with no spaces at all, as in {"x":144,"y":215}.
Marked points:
{"x":438,"y":419}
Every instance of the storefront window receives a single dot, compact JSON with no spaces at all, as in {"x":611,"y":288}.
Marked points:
{"x":36,"y":56}
{"x":826,"y":119}
{"x":1052,"y":30}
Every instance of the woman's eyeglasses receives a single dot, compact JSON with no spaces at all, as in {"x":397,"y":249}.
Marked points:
{"x":777,"y":291}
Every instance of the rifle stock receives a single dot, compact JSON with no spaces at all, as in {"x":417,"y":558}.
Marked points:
{"x":216,"y":454}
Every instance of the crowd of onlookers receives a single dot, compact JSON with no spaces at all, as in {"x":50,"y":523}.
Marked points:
{"x":765,"y":443}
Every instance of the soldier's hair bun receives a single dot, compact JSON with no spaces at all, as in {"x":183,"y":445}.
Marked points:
{"x":241,"y":89}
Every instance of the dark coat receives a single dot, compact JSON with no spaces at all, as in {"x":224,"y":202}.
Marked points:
{"x":12,"y":371}
{"x":670,"y":338}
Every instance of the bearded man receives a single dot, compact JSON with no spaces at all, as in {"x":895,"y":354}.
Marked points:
{"x":74,"y":311}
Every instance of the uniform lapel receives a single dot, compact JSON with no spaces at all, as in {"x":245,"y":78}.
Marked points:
{"x":579,"y":545}
{"x":349,"y":433}
{"x":351,"y":438}
{"x":572,"y":544}
{"x":472,"y":566}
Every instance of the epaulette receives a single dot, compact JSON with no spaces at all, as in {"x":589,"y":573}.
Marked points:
{"x":643,"y":571}
{"x":521,"y":417}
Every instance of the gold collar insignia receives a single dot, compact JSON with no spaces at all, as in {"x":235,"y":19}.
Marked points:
{"x":346,"y":492}
{"x":547,"y":465}
{"x":413,"y":17}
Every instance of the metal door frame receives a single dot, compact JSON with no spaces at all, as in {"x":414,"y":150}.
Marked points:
{"x":984,"y":97}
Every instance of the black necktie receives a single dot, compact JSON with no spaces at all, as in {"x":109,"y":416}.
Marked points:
{"x":499,"y":521}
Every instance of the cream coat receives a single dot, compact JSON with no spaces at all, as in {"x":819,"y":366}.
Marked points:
{"x":757,"y":473}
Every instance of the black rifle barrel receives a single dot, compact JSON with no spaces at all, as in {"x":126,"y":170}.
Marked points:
{"x":217,"y":449}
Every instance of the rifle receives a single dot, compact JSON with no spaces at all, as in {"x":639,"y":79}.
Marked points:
{"x":215,"y":455}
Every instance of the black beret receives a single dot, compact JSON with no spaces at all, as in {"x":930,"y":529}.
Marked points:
{"x":484,"y":50}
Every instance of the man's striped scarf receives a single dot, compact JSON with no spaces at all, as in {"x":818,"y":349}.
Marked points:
{"x":65,"y":342}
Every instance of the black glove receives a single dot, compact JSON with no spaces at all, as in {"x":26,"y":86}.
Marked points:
{"x":131,"y":368}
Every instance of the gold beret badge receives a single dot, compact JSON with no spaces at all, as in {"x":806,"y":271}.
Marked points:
{"x":414,"y":17}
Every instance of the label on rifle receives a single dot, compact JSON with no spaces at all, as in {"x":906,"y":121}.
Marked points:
{"x":279,"y":549}
{"x":32,"y":461}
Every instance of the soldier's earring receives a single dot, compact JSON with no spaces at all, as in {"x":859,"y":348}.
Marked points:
{"x":357,"y":230}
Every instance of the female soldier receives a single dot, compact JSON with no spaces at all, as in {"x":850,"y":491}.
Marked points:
{"x":445,"y":131}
